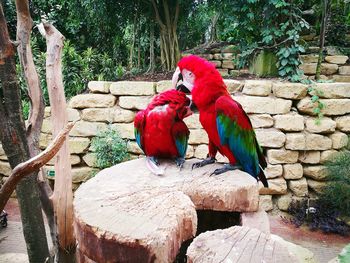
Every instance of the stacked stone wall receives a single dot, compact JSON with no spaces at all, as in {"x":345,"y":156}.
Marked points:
{"x":334,"y":66}
{"x":281,"y":113}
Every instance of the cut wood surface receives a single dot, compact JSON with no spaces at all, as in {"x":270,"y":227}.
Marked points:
{"x":238,"y":244}
{"x":127,"y":214}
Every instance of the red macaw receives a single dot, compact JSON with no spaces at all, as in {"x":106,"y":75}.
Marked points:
{"x":160,"y":131}
{"x":228,"y":127}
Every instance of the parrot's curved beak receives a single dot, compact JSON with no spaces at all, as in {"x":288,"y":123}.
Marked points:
{"x":176,"y":77}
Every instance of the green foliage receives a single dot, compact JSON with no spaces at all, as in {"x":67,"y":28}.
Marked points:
{"x":344,"y":256}
{"x":110,"y":148}
{"x":337,"y":190}
{"x":25,"y":109}
{"x":273,"y":25}
{"x":315,"y":99}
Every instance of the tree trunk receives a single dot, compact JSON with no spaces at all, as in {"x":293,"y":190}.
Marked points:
{"x":213,"y":31}
{"x":325,"y":12}
{"x":63,"y":195}
{"x":13,"y":138}
{"x":151,"y":49}
{"x":170,"y":52}
{"x":24,"y":27}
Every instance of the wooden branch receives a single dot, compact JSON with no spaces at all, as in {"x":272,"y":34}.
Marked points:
{"x":32,"y":165}
{"x":63,"y":195}
{"x":156,"y":12}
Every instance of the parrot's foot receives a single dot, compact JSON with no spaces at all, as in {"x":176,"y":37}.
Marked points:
{"x":180,"y":162}
{"x":206,"y":161}
{"x":227,"y":167}
{"x":153,"y":165}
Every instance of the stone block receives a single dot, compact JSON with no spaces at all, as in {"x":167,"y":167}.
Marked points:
{"x":336,"y":59}
{"x":288,"y":90}
{"x":293,"y":171}
{"x":216,"y":63}
{"x":5,"y":168}
{"x":198,"y":136}
{"x":223,"y":72}
{"x":339,"y":140}
{"x":163,"y":85}
{"x":343,"y":123}
{"x":329,"y":69}
{"x":298,"y":187}
{"x":74,"y":160}
{"x":121,"y":115}
{"x":265,"y":202}
{"x":233,"y":85}
{"x":86,"y":129}
{"x":92,"y":101}
{"x":44,"y":140}
{"x":295,"y":141}
{"x":310,"y":157}
{"x":327,"y":156}
{"x":134,"y":88}
{"x":228,"y":56}
{"x":283,"y":201}
{"x":264,"y":64}
{"x":317,"y":142}
{"x":316,"y":185}
{"x":98,"y":114}
{"x":228,"y":64}
{"x":261,"y":120}
{"x":217,"y":56}
{"x":308,"y":68}
{"x":344,"y":70}
{"x":333,"y":90}
{"x":316,"y":172}
{"x":273,"y":171}
{"x":90,"y":159}
{"x":189,"y":152}
{"x":309,"y":58}
{"x":275,"y":156}
{"x":134,"y":148}
{"x":257,"y":87}
{"x":201,"y":151}
{"x":289,"y":122}
{"x":46,"y":127}
{"x":269,"y":105}
{"x":229,"y":49}
{"x":271,"y":138}
{"x":126,"y":130}
{"x":341,"y":78}
{"x":192,"y":122}
{"x":99,"y":86}
{"x":47,"y":112}
{"x":332,"y":106}
{"x":82,"y":174}
{"x":325,"y":125}
{"x":73,"y":114}
{"x":134,"y":103}
{"x":276,"y":186}
{"x":78,"y":145}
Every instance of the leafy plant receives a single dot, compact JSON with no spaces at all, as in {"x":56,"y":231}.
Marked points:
{"x":344,"y":255}
{"x":330,"y":211}
{"x":110,"y":148}
{"x":315,"y":98}
{"x":273,"y":25}
{"x":319,"y":216}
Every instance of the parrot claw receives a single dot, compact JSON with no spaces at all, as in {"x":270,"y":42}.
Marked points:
{"x":227,"y":167}
{"x":206,"y":161}
{"x":153,"y":165}
{"x":180,"y":162}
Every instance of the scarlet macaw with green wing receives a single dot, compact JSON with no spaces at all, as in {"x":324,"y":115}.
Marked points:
{"x":228,"y":127}
{"x":160,"y":131}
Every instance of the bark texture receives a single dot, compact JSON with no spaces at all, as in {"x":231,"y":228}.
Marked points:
{"x":63,"y":195}
{"x":14,"y":141}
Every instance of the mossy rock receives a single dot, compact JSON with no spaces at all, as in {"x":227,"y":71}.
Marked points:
{"x":264,"y":65}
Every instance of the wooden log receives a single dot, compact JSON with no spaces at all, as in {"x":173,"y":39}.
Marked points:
{"x":127,"y":214}
{"x":238,"y":244}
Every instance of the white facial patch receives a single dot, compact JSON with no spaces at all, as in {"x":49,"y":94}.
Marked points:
{"x":159,"y":109}
{"x":188,"y":79}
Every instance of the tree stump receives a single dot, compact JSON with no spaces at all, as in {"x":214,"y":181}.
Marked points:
{"x":238,"y":244}
{"x":127,"y":214}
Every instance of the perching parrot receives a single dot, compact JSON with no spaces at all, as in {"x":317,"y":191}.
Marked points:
{"x":228,"y":127}
{"x":160,"y":131}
